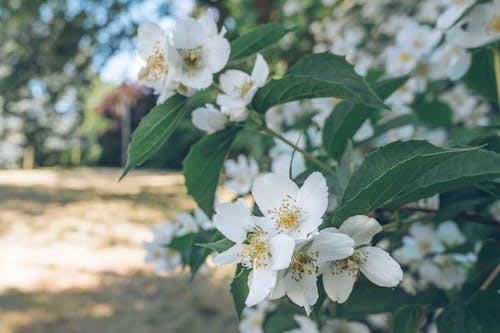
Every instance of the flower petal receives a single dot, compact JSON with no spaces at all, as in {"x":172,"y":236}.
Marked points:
{"x":312,"y":197}
{"x":216,"y":53}
{"x":260,"y":71}
{"x":270,"y":190}
{"x":231,"y":82}
{"x":302,"y":292}
{"x":279,"y":289}
{"x":149,"y":36}
{"x":281,"y":249}
{"x":338,"y":285}
{"x":188,"y":33}
{"x":380,"y":268}
{"x":332,"y":245}
{"x":361,"y":228}
{"x":230,"y":256}
{"x":233,"y":220}
{"x":260,"y":283}
{"x":208,"y":120}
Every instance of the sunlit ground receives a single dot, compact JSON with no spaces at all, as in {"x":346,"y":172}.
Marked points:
{"x":71,"y":257}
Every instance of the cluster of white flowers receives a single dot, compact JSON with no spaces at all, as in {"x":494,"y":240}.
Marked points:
{"x":286,"y":251}
{"x":429,"y":254}
{"x":158,"y":252}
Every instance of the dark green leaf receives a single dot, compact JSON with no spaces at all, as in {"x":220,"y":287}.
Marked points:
{"x":386,"y":172}
{"x":218,"y":246}
{"x":256,"y":40}
{"x":203,"y":164}
{"x":434,"y":112}
{"x":281,"y":319}
{"x":385,"y":300}
{"x":198,"y":255}
{"x":318,"y":75}
{"x":481,"y":75}
{"x":153,"y":130}
{"x":408,"y":319}
{"x":479,"y":315}
{"x":239,"y":288}
{"x":347,"y":117}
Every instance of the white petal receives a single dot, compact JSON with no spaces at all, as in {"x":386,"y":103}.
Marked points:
{"x":279,"y":289}
{"x":460,"y":66}
{"x":308,"y":225}
{"x":260,"y":283}
{"x":232,"y":80}
{"x":270,"y":190}
{"x":208,"y":120}
{"x":307,"y":325}
{"x":380,"y":268}
{"x":149,"y":36}
{"x":338,"y":286}
{"x":332,"y":245}
{"x":361,"y":228}
{"x":230,"y":256}
{"x":227,"y":102}
{"x":209,"y":22}
{"x":281,"y":249}
{"x":188,"y":33}
{"x":233,"y":220}
{"x":452,"y":14}
{"x":312,"y":197}
{"x":260,"y":71}
{"x":216,"y":53}
{"x":303,"y":292}
{"x":200,"y":79}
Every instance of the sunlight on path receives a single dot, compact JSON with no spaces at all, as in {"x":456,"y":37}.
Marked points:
{"x":80,"y":233}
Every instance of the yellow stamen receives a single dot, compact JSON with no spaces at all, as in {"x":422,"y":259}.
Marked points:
{"x":156,"y":67}
{"x":405,"y":57}
{"x":304,"y":263}
{"x":287,"y":217}
{"x":245,"y":88}
{"x":493,"y":26}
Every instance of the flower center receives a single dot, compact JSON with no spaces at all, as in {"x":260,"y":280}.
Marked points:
{"x":191,"y":58}
{"x":423,"y":68}
{"x":287,"y":217}
{"x":156,"y":67}
{"x":417,"y":43}
{"x":157,"y":254}
{"x":304,"y":263}
{"x":424,"y":246}
{"x":245,"y":88}
{"x":255,"y":252}
{"x":182,"y":88}
{"x":405,"y":57}
{"x":493,"y":25}
{"x":256,"y":322}
{"x":350,"y":264}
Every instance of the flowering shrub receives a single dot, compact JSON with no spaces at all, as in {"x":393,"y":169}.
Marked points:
{"x":343,"y":219}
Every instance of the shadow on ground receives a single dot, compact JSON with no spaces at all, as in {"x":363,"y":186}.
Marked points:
{"x":136,"y":303}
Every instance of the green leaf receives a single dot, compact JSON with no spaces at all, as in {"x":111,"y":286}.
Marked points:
{"x":387,"y":300}
{"x":347,"y":117}
{"x":386,"y":172}
{"x":153,"y":130}
{"x":158,"y":125}
{"x":408,"y":319}
{"x":481,"y":75}
{"x":198,"y":255}
{"x":256,"y":40}
{"x":317,"y":75}
{"x":203,"y":164}
{"x":218,"y":246}
{"x":434,"y":112}
{"x":479,"y":315}
{"x":239,"y":288}
{"x":281,"y":319}
{"x":463,"y":169}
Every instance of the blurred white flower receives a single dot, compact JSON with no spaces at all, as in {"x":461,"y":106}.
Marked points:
{"x":241,"y":174}
{"x":157,"y":251}
{"x":480,"y":27}
{"x":306,"y":325}
{"x":466,"y":107}
{"x":446,"y":271}
{"x":208,"y":119}
{"x":422,"y":240}
{"x":376,"y":264}
{"x":455,"y":9}
{"x":449,"y":61}
{"x":366,"y":131}
{"x":449,"y":234}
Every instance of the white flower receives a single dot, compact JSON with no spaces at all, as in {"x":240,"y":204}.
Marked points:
{"x":294,"y":211}
{"x":449,"y":61}
{"x":152,"y":47}
{"x":253,"y":318}
{"x":257,"y":247}
{"x":197,"y":51}
{"x":449,"y":234}
{"x":190,"y":223}
{"x":239,"y":87}
{"x":453,"y":13}
{"x":480,"y":27}
{"x":422,"y":240}
{"x":399,"y":61}
{"x":241,"y":174}
{"x":208,"y":119}
{"x":283,"y":162}
{"x":306,"y":325}
{"x":299,"y":281}
{"x":157,"y":251}
{"x":376,"y":264}
{"x":446,"y":271}
{"x":466,"y":107}
{"x":417,"y":40}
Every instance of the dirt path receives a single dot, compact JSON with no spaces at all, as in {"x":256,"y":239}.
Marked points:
{"x":71,"y":257}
